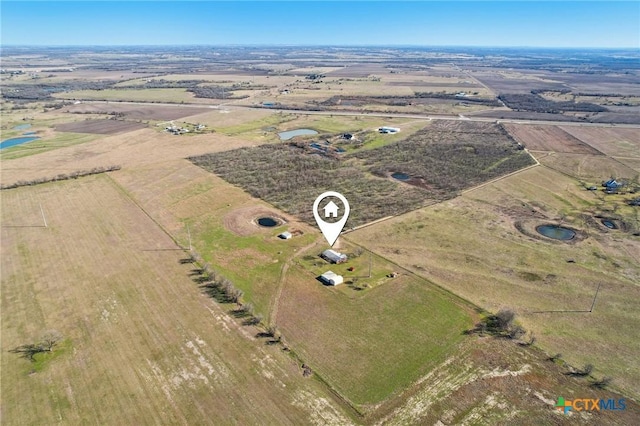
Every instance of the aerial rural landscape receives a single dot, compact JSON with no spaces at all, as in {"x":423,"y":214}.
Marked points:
{"x":161,"y":263}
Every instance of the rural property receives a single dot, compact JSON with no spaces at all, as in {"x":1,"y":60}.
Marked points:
{"x":161,"y":263}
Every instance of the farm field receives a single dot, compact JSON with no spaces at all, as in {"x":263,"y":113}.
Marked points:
{"x":131,"y":149}
{"x":150,"y":349}
{"x":611,"y":141}
{"x":136,"y":112}
{"x":175,"y":306}
{"x":221,"y":219}
{"x":176,"y":193}
{"x":370,"y":346}
{"x":147,"y":95}
{"x":101,"y":127}
{"x":549,"y":138}
{"x":49,"y":142}
{"x":591,"y":169}
{"x":472,"y":247}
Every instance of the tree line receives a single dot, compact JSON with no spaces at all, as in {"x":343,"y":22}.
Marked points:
{"x":60,"y":177}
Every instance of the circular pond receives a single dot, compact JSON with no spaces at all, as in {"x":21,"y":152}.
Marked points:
{"x":269,"y":222}
{"x":400,"y":176}
{"x":556,"y":232}
{"x":609,"y":224}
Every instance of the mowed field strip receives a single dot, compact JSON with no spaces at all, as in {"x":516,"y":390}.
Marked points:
{"x":142,"y":344}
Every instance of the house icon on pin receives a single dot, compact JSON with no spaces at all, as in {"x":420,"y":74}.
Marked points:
{"x":331,"y":209}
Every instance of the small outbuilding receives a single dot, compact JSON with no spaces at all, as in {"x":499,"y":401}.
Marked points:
{"x":286,"y":235}
{"x":333,"y":256}
{"x":386,"y":129}
{"x":331,"y":278}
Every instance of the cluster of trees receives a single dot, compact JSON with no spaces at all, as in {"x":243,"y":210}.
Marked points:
{"x":61,"y":176}
{"x":501,"y":324}
{"x":213,"y":92}
{"x":535,"y":103}
{"x":443,"y":95}
{"x":43,"y":91}
{"x":290,"y":178}
{"x":442,"y":163}
{"x":165,"y":84}
{"x":504,"y":324}
{"x":402,"y":100}
{"x":448,"y":161}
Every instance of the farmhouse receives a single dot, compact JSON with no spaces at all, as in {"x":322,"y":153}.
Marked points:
{"x":332,"y":278}
{"x":333,"y":256}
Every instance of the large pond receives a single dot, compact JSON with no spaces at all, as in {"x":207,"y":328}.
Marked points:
{"x":285,"y":136}
{"x":16,"y":141}
{"x":400,"y":176}
{"x":556,"y":232}
{"x":269,"y":222}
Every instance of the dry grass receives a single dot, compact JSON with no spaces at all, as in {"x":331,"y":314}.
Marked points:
{"x":136,"y":112}
{"x":101,"y":127}
{"x":470,"y":246}
{"x":372,"y":344}
{"x":142,"y":344}
{"x":549,"y":138}
{"x":611,"y":141}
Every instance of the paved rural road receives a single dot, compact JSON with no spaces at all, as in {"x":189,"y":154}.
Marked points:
{"x":376,"y":114}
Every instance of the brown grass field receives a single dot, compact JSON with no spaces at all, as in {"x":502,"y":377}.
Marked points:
{"x":590,"y":169}
{"x":142,"y":344}
{"x":471,"y":246}
{"x":136,"y":112}
{"x":609,"y":140}
{"x":101,"y":127}
{"x":549,"y":138}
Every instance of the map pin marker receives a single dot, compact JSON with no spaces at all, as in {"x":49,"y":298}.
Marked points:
{"x":330,"y":230}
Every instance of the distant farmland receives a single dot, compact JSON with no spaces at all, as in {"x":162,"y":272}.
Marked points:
{"x":439,"y":161}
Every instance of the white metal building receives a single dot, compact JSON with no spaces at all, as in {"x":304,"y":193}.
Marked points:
{"x":332,"y":278}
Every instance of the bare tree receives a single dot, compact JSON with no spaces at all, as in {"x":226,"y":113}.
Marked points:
{"x":602,"y":383}
{"x":49,"y":339}
{"x":586,"y":370}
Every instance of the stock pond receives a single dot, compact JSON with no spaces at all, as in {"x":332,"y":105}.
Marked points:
{"x":400,"y":176}
{"x":285,"y":136}
{"x":556,"y":232}
{"x":269,"y":222}
{"x":16,"y":141}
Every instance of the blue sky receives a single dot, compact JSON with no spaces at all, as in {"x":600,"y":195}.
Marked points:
{"x":429,"y":23}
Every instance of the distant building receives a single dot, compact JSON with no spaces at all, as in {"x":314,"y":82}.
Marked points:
{"x":386,"y":129}
{"x":612,"y":184}
{"x":285,"y":235}
{"x":333,"y":256}
{"x":332,"y":278}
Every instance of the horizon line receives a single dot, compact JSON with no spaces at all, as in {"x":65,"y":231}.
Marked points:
{"x":330,"y":45}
